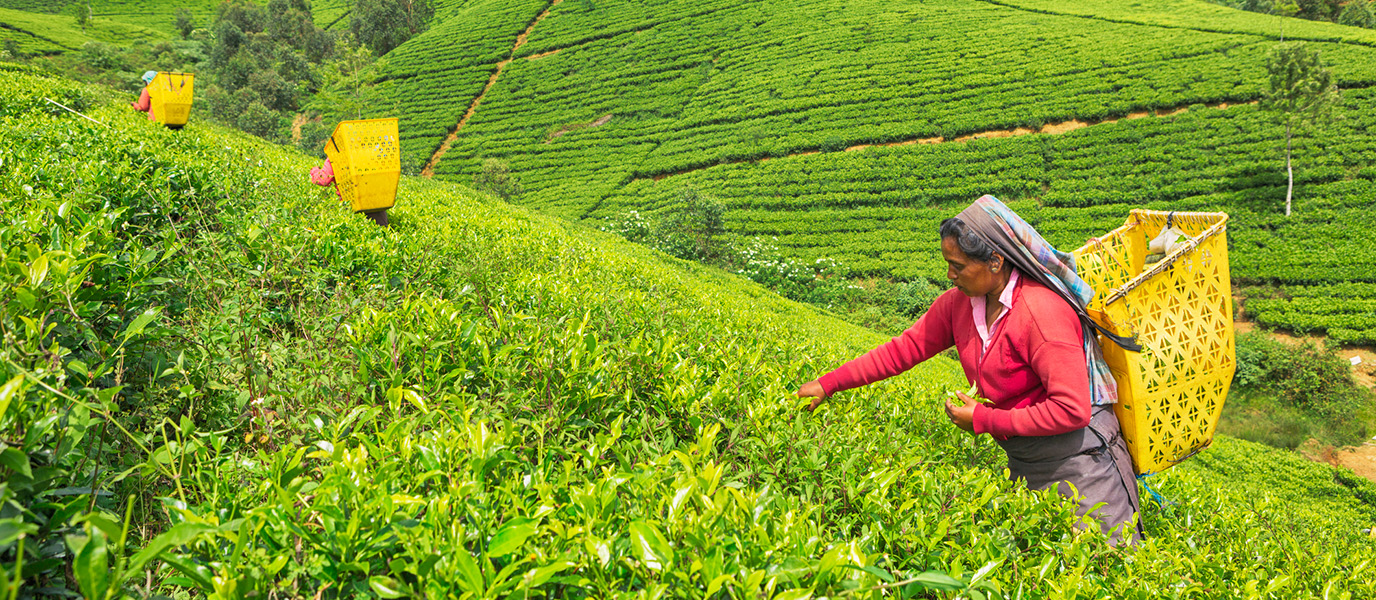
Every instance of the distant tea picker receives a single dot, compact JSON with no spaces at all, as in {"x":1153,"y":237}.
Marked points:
{"x":363,"y":162}
{"x":167,"y":97}
{"x":145,"y":103}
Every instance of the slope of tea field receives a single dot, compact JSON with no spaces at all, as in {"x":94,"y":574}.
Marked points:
{"x":485,"y":401}
{"x":159,"y":16}
{"x":845,"y":130}
{"x":42,"y":33}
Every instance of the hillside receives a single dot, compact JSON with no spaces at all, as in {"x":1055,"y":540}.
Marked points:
{"x":41,"y":33}
{"x":158,"y":17}
{"x":485,"y":400}
{"x":850,"y":133}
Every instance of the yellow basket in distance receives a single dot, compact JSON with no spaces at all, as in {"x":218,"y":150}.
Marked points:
{"x":1170,"y":395}
{"x":366,"y":159}
{"x":170,"y":95}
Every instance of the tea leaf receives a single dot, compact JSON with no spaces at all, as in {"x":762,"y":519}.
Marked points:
{"x":511,"y":536}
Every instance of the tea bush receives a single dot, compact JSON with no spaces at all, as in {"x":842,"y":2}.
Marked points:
{"x":260,"y":394}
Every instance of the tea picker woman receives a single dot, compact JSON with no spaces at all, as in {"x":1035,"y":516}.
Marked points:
{"x":144,"y":103}
{"x":323,"y":175}
{"x":1016,"y":317}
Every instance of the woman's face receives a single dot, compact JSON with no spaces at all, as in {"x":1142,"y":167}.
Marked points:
{"x":972,"y":277}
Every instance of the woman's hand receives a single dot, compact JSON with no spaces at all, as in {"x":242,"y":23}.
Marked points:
{"x":812,"y":389}
{"x":962,"y":415}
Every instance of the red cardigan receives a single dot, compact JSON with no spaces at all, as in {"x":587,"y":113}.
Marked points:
{"x":1033,"y":375}
{"x":145,"y":103}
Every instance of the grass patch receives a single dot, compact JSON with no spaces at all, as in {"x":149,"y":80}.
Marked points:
{"x":1285,"y":393}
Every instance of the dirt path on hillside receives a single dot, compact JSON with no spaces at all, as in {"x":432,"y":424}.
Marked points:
{"x":1364,"y":372}
{"x":296,"y":124}
{"x":429,"y":170}
{"x":602,"y":120}
{"x":1048,"y":129}
{"x":1280,"y":35}
{"x":1359,"y":459}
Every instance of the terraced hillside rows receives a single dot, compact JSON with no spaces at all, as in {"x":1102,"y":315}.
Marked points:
{"x":41,"y":33}
{"x":148,"y":14}
{"x":438,"y":75}
{"x":757,"y":103}
{"x":123,"y":22}
{"x":263,"y":395}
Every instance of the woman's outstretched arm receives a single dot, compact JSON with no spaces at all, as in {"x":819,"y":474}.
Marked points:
{"x":929,"y":335}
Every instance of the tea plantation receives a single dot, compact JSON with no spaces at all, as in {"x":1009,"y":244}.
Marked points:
{"x":215,"y":381}
{"x":40,"y":33}
{"x":156,"y":16}
{"x":782,"y":110}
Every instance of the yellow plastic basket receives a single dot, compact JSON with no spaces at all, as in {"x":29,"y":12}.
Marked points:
{"x":1170,"y":395}
{"x":366,"y":161}
{"x":170,"y":95}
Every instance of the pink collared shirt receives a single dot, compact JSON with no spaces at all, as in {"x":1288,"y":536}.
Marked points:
{"x":978,"y":304}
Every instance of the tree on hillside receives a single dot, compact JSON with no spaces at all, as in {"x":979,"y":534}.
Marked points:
{"x":262,"y":62}
{"x":82,"y":13}
{"x":1358,"y":13}
{"x":496,"y":178}
{"x":386,"y":24}
{"x":344,"y":91}
{"x":693,"y":227}
{"x":1318,"y":10}
{"x":1284,"y":8}
{"x":1300,"y":92}
{"x":186,"y":22}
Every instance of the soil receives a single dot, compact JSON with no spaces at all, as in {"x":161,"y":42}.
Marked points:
{"x":932,"y":140}
{"x":1361,"y":460}
{"x":1364,"y":372}
{"x":602,"y":120}
{"x":1063,"y":127}
{"x":995,"y":134}
{"x":296,"y":124}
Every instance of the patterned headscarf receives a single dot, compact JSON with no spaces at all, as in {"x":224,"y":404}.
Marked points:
{"x":1033,"y":256}
{"x":149,"y":75}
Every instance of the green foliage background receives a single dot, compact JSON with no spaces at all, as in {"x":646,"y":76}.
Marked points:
{"x":769,"y":106}
{"x":215,"y":376}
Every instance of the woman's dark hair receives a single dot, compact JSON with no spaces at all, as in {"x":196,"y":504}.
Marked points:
{"x":970,"y":243}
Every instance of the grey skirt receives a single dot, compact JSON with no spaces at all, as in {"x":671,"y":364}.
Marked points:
{"x":1094,"y":460}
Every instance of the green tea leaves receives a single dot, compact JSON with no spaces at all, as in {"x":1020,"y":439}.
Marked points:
{"x":511,"y":536}
{"x":139,"y":323}
{"x":650,"y":546}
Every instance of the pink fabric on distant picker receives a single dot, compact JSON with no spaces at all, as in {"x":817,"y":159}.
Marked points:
{"x":145,"y":104}
{"x":323,"y":175}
